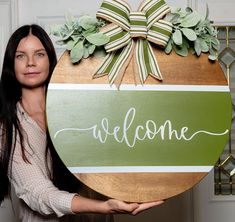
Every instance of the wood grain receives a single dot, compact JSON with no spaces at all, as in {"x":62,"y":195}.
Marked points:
{"x":190,"y":70}
{"x":140,"y":187}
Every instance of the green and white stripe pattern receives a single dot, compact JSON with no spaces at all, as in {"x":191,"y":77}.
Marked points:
{"x":114,"y":61}
{"x":146,"y":25}
{"x":138,"y":24}
{"x":146,"y":60}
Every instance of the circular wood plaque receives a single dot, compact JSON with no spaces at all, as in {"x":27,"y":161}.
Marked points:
{"x":140,"y":143}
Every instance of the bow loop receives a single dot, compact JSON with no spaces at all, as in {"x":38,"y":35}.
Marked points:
{"x":154,"y":10}
{"x":160,"y":32}
{"x":146,"y":25}
{"x":118,"y":38}
{"x":115,"y":11}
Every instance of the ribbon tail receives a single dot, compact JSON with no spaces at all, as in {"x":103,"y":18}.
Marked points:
{"x":155,"y":70}
{"x":146,"y":61}
{"x":115,"y":64}
{"x":118,"y":38}
{"x":104,"y":68}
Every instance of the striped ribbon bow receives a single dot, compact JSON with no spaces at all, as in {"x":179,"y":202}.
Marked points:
{"x":130,"y":30}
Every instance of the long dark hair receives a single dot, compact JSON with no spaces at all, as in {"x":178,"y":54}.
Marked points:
{"x":10,"y":94}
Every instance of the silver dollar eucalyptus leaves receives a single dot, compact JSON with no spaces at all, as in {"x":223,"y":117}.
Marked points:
{"x":81,"y":36}
{"x":192,"y":31}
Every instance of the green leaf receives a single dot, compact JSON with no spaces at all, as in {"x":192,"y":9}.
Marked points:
{"x":189,"y":34}
{"x":169,"y":47}
{"x":190,"y":20}
{"x":177,"y":37}
{"x":91,"y":49}
{"x":212,"y":57}
{"x":88,"y":22}
{"x":98,"y":39}
{"x":89,"y":31}
{"x":181,"y":50}
{"x":203,"y":45}
{"x":60,"y":42}
{"x":85,"y":53}
{"x":70,"y":44}
{"x":67,"y":35}
{"x":169,"y":17}
{"x":77,"y":52}
{"x":76,"y":38}
{"x":197,"y":47}
{"x":56,"y":30}
{"x":100,"y":52}
{"x":215,"y":43}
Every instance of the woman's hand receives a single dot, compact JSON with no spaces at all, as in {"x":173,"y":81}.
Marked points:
{"x":117,"y":206}
{"x":85,"y":205}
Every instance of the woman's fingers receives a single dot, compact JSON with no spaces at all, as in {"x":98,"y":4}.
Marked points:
{"x":145,"y":206}
{"x":117,"y":206}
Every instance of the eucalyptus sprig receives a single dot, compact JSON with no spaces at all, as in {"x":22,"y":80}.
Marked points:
{"x":81,"y":36}
{"x":192,"y":31}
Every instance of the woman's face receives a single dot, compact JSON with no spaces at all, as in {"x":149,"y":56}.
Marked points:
{"x":31,"y":62}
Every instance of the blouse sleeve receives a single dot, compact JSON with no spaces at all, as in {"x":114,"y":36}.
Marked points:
{"x":36,"y":189}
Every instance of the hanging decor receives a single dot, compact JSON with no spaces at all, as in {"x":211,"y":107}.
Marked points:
{"x":138,"y":107}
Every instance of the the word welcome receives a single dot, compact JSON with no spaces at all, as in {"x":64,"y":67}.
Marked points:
{"x":141,"y":132}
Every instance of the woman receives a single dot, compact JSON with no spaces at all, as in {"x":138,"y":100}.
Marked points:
{"x":29,"y":161}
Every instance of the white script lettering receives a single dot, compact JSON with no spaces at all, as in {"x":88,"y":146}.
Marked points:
{"x":149,"y":131}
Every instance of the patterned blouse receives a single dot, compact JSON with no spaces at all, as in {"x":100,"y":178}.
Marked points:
{"x":40,"y":200}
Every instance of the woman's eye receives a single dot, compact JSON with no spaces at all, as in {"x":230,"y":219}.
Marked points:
{"x":20,"y":56}
{"x":40,"y":54}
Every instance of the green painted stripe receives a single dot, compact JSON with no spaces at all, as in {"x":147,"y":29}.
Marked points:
{"x":209,"y":111}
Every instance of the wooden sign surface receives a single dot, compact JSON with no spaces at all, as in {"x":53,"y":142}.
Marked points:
{"x":140,"y":143}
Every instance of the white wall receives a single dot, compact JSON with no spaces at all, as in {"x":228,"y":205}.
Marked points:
{"x":45,"y":13}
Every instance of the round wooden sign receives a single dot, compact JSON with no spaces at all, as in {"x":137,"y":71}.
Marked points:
{"x":145,"y":142}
